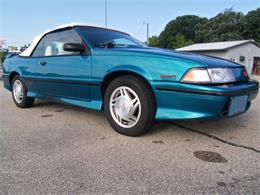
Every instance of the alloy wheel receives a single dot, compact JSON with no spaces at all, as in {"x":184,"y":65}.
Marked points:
{"x":18,"y":91}
{"x":125,"y":107}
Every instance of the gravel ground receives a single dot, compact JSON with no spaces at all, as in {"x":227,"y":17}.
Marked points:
{"x":60,"y":149}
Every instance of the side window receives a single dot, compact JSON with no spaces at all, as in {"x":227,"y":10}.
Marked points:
{"x":38,"y":50}
{"x":53,"y":44}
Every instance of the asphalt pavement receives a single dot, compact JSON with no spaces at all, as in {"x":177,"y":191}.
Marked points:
{"x":54,"y":148}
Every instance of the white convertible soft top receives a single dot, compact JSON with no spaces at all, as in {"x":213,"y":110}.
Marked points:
{"x":30,"y":49}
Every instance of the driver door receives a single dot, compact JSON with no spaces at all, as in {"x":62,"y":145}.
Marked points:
{"x":60,"y":73}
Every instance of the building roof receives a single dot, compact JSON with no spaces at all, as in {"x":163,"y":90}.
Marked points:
{"x":30,"y":49}
{"x":216,"y":46}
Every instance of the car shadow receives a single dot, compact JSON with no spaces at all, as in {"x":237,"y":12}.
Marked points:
{"x":224,"y":127}
{"x":217,"y":127}
{"x":58,"y":106}
{"x":43,"y":103}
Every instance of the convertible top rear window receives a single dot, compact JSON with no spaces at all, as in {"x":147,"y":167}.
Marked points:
{"x":99,"y":37}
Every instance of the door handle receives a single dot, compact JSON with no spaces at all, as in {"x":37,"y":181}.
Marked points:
{"x":43,"y":63}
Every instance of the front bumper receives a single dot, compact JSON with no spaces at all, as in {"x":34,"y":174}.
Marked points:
{"x":177,"y":100}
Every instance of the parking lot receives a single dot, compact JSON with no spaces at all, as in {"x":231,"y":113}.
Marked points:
{"x":61,"y":149}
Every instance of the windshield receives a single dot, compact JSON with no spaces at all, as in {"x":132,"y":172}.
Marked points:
{"x":105,"y":38}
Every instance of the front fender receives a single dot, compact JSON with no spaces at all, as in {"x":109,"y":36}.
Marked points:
{"x":130,"y":68}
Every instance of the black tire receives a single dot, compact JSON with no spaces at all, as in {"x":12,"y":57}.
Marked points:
{"x":26,"y":101}
{"x":147,"y":100}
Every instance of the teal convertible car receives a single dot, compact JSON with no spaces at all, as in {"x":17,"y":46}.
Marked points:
{"x":109,"y":70}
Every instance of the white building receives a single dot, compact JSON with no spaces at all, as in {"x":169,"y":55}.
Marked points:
{"x":245,"y":52}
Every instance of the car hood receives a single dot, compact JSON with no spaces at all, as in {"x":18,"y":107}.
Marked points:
{"x":203,"y":59}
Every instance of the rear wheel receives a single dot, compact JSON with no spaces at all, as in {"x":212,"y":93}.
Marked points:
{"x":129,"y":105}
{"x":19,"y":93}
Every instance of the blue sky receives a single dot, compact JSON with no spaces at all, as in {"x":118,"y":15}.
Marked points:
{"x":21,"y":20}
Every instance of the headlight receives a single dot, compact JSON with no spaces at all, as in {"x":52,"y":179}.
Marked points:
{"x":221,"y":75}
{"x":209,"y":76}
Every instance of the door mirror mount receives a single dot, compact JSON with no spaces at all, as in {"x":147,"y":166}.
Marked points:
{"x":74,"y":47}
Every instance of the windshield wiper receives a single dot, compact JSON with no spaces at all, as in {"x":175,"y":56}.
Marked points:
{"x":113,"y":45}
{"x":106,"y":45}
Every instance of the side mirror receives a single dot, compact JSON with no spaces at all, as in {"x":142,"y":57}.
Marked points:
{"x":74,"y":47}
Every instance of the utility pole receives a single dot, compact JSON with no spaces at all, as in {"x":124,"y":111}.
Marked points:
{"x":147,"y":32}
{"x":106,"y":13}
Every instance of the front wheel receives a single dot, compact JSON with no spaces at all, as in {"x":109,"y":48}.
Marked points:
{"x":19,"y":93}
{"x":129,"y":105}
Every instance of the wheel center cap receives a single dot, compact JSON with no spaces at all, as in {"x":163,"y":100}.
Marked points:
{"x":123,"y":107}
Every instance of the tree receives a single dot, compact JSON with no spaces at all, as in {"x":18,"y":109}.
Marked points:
{"x":180,"y":31}
{"x":181,"y":41}
{"x":2,"y":56}
{"x":23,"y":48}
{"x":153,"y":41}
{"x":251,"y":25}
{"x":226,"y":26}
